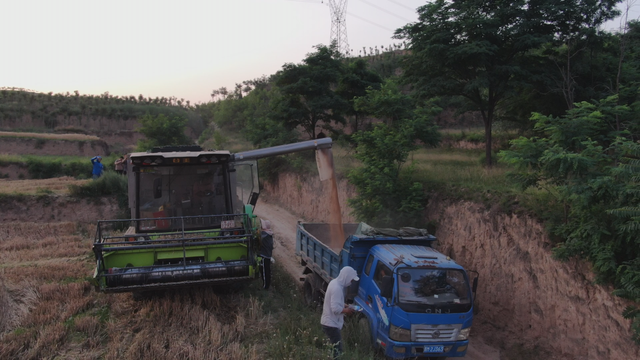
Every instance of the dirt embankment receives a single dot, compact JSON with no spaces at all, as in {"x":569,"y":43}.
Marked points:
{"x":525,"y":297}
{"x":28,"y":146}
{"x":528,"y":296}
{"x":94,"y":125}
{"x":51,"y":208}
{"x":308,"y":197}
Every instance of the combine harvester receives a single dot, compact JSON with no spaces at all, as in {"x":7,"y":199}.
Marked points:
{"x":192,"y":220}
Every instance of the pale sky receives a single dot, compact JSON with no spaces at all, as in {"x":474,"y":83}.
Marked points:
{"x":175,"y":48}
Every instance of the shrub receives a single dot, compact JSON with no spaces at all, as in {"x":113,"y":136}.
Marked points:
{"x":109,"y":184}
{"x":46,"y":169}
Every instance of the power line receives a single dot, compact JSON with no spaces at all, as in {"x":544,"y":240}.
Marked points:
{"x":370,"y":22}
{"x":388,"y":12}
{"x":403,"y":5}
{"x":319,"y":2}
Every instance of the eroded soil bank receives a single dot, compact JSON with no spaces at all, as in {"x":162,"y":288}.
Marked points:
{"x":51,"y":208}
{"x":21,"y":146}
{"x":525,"y":297}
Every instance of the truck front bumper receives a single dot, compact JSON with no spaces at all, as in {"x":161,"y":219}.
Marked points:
{"x":401,"y":350}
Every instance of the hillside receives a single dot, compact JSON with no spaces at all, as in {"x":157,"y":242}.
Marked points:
{"x":531,"y":305}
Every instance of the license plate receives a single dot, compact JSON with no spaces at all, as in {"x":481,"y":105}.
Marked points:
{"x":433,"y":349}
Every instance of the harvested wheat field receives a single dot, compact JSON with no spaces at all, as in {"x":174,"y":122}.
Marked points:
{"x":51,"y":311}
{"x":59,"y":185}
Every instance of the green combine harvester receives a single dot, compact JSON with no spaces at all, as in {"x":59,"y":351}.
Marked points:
{"x":192,"y":220}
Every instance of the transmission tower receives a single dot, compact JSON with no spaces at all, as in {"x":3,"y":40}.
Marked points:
{"x":339,"y":25}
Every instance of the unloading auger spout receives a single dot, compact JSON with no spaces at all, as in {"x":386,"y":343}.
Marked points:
{"x":316,"y":144}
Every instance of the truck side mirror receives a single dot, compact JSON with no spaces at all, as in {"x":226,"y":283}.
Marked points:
{"x":352,"y":290}
{"x":253,"y":200}
{"x":474,"y":287}
{"x":386,"y":289}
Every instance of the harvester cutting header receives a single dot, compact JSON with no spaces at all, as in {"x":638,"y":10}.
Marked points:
{"x":192,"y":220}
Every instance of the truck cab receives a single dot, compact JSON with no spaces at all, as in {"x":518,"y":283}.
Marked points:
{"x":417,"y":301}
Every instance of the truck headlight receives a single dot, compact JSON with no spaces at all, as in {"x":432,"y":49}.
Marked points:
{"x":399,"y":334}
{"x":464,"y":334}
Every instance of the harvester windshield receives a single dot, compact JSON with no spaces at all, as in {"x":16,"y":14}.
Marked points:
{"x":171,"y":190}
{"x":183,"y":191}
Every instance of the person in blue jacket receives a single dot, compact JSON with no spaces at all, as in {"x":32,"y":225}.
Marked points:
{"x":98,"y":168}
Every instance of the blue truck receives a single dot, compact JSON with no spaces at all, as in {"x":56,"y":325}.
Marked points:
{"x":416,"y":301}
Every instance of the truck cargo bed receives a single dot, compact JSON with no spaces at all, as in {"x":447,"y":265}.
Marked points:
{"x":311,"y":246}
{"x":312,"y":240}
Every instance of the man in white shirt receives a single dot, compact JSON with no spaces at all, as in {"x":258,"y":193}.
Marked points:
{"x":334,"y":308}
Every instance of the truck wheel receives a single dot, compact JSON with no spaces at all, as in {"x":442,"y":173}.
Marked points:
{"x":365,"y":333}
{"x":311,"y":294}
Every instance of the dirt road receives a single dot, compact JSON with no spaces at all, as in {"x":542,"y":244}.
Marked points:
{"x":284,"y":228}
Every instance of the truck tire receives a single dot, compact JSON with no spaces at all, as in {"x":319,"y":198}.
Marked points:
{"x":311,"y":292}
{"x":365,"y":333}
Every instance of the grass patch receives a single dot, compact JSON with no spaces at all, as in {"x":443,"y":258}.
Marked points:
{"x":460,"y":174}
{"x":297,"y":333}
{"x":473,"y":135}
{"x":459,"y":170}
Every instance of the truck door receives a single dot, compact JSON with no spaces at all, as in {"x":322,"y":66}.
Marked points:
{"x":382,"y":293}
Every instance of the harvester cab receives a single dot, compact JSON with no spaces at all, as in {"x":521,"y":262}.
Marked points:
{"x":192,"y":220}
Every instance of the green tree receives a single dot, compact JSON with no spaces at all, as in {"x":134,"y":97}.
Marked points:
{"x":398,"y":110}
{"x":307,"y":92}
{"x":479,"y":49}
{"x":354,"y":83}
{"x":265,"y":132}
{"x":161,"y":131}
{"x":574,"y":25}
{"x":387,"y":103}
{"x":387,"y":193}
{"x":576,"y":158}
{"x":629,"y":272}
